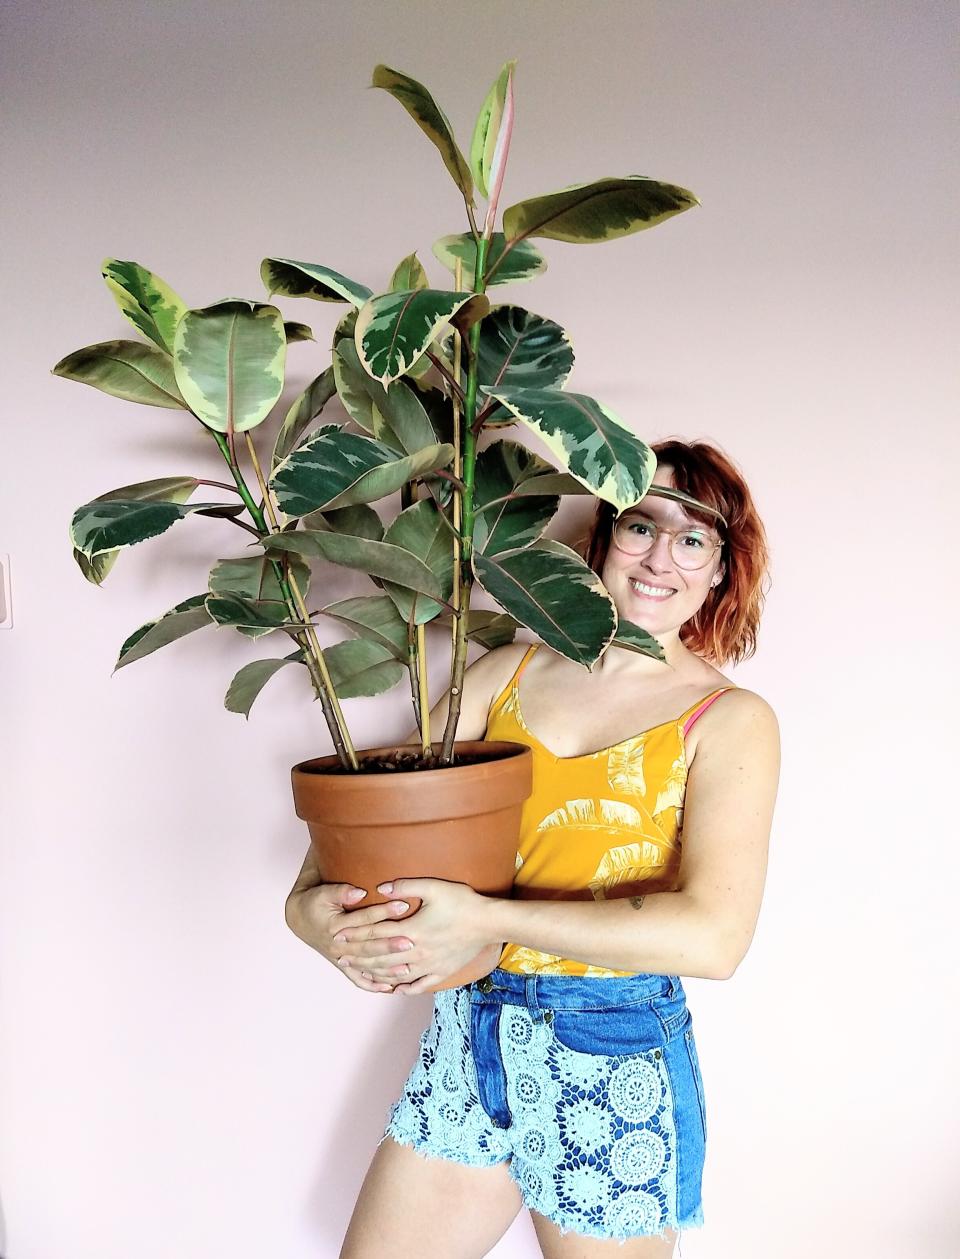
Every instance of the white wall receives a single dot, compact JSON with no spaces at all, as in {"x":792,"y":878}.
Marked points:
{"x":180,"y":1075}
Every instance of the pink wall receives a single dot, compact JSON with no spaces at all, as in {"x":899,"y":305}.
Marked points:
{"x":179,"y":1075}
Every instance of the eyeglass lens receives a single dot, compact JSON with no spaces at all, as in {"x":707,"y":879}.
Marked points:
{"x":692,"y":548}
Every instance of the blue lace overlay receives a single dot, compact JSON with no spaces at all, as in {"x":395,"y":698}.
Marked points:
{"x":591,"y":1138}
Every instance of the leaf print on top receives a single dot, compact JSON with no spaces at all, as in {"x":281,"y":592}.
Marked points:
{"x":670,"y":795}
{"x":631,"y":863}
{"x":609,"y":816}
{"x":625,"y":767}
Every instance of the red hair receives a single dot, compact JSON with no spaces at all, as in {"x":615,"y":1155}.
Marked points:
{"x":725,"y":626}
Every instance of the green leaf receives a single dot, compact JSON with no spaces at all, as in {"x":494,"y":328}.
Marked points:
{"x":421,"y":531}
{"x":374,"y":617}
{"x":552,"y":591}
{"x":251,"y":680}
{"x":431,"y":120}
{"x":523,"y":261}
{"x":601,"y":210}
{"x":303,"y":411}
{"x":259,"y":614}
{"x":125,"y":369}
{"x":489,"y":629}
{"x":591,"y":441}
{"x":229,"y":362}
{"x":253,"y":578}
{"x":165,"y":489}
{"x":288,"y":278}
{"x":360,"y":521}
{"x":182,"y":619}
{"x":395,"y":329}
{"x":504,"y":521}
{"x":487,"y":129}
{"x":112,"y":525}
{"x":396,"y":410}
{"x":150,"y":304}
{"x":381,"y":558}
{"x":361,"y":667}
{"x":297,"y":332}
{"x":335,"y":468}
{"x":634,"y":638}
{"x":409,"y":274}
{"x":521,"y":350}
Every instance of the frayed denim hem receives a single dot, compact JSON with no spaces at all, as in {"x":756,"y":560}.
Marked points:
{"x":579,"y":1227}
{"x":429,"y":1151}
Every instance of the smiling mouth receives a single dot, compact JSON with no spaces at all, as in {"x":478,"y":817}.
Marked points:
{"x":650,"y":592}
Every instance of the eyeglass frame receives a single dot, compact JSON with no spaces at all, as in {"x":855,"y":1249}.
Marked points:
{"x":717,"y":542}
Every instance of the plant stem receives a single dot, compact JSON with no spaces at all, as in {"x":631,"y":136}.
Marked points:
{"x":291,"y":591}
{"x":461,"y":596}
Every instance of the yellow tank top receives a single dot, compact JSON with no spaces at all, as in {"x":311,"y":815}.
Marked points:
{"x":598,"y":826}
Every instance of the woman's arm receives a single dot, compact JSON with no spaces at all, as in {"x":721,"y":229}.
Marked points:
{"x":703,"y":929}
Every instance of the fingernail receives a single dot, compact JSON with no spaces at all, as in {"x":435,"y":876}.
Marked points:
{"x":356,"y":894}
{"x":399,"y":907}
{"x":344,"y":962}
{"x":385,"y":888}
{"x":405,"y":944}
{"x":339,"y":939}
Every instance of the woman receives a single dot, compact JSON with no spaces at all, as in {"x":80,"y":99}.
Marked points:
{"x":567,"y":1079}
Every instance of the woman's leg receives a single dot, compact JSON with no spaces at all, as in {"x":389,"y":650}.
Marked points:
{"x":574,"y":1246}
{"x":413,"y":1205}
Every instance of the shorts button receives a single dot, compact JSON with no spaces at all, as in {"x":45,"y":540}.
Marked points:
{"x":485,"y":984}
{"x":657,"y":1053}
{"x":548,"y":1016}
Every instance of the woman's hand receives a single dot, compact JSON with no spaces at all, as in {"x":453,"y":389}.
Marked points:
{"x":448,"y":930}
{"x":315,"y":912}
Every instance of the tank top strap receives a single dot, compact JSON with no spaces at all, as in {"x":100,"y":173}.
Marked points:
{"x":501,"y":698}
{"x":700,"y":707}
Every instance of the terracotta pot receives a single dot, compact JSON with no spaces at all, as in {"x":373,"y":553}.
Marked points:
{"x":461,"y":823}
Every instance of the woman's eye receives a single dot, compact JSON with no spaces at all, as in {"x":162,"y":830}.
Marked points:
{"x":637,"y":524}
{"x":696,"y":538}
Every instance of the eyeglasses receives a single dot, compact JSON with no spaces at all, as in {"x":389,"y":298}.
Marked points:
{"x":690,"y":548}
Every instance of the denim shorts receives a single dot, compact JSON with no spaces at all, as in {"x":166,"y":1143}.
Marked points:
{"x":589,"y":1088}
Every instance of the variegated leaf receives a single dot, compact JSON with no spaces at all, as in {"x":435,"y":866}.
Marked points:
{"x":523,"y":261}
{"x":486,"y":131}
{"x":361,"y":667}
{"x":163,"y":489}
{"x":520,"y":350}
{"x":603,"y":209}
{"x":253,"y":578}
{"x":335,"y":468}
{"x":409,"y":274}
{"x":374,"y":617}
{"x":182,"y":619}
{"x":634,"y":638}
{"x":288,"y":278}
{"x":125,"y":369}
{"x":489,"y":629}
{"x":301,"y":414}
{"x":148,"y":302}
{"x":264,"y":615}
{"x":365,"y":554}
{"x":395,"y":329}
{"x":360,"y":521}
{"x":421,"y":531}
{"x":505,"y":521}
{"x":251,"y":680}
{"x":431,"y":120}
{"x":229,"y":362}
{"x":365,"y":398}
{"x":297,"y":332}
{"x":591,"y":441}
{"x":550,"y":589}
{"x":112,"y":525}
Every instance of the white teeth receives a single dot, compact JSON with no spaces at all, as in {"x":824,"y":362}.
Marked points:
{"x":650,"y":590}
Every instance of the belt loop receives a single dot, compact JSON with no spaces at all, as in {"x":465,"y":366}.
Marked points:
{"x":673,"y":986}
{"x":533,"y":1005}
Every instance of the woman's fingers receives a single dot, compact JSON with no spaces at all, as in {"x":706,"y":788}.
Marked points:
{"x":372,"y":914}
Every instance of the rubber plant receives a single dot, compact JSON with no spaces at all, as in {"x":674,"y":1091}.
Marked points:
{"x":422,"y":373}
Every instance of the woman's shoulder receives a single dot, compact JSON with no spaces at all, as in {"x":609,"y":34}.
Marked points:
{"x":491,"y":672}
{"x":738,"y":717}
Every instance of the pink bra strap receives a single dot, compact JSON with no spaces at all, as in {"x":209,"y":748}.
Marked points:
{"x":703,"y":708}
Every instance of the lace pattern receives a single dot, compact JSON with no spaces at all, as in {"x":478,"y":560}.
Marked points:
{"x":592,"y":1141}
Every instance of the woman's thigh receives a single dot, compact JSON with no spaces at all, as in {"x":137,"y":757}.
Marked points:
{"x":412,"y":1205}
{"x":554,"y":1245}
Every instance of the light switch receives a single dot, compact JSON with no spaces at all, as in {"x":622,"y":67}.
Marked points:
{"x":6,"y":607}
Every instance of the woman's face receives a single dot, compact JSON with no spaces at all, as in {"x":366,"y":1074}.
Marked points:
{"x":679,"y":592}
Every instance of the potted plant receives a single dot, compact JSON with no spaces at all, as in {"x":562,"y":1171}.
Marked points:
{"x":423,"y":374}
